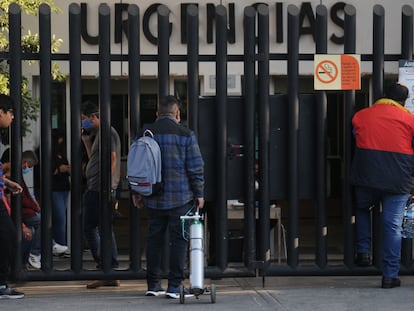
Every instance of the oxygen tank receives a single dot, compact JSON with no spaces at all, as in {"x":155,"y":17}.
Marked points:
{"x":196,"y":256}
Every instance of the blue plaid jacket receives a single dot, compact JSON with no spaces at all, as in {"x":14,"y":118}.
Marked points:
{"x":182,"y":165}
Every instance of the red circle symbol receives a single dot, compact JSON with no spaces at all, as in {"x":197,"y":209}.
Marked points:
{"x":326,"y":71}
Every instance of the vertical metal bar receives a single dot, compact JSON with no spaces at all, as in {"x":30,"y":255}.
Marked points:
{"x":134,"y":126}
{"x":378,"y":51}
{"x":46,"y":128}
{"x":349,"y":218}
{"x":249,"y":23}
{"x":293,"y":128}
{"x":407,"y":53}
{"x":163,"y":84}
{"x":377,"y":85}
{"x":321,"y":134}
{"x":15,"y":62}
{"x":163,"y":51}
{"x":264,"y":132}
{"x":75,"y":140}
{"x":192,"y":66}
{"x":221,"y":104}
{"x":407,"y":32}
{"x":105,"y":136}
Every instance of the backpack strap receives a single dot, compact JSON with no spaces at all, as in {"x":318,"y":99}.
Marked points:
{"x":148,"y":132}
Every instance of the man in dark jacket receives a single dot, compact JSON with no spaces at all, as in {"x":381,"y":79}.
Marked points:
{"x":383,"y":172}
{"x":183,"y":185}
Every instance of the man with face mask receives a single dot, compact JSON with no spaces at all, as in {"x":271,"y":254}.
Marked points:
{"x":91,"y":206}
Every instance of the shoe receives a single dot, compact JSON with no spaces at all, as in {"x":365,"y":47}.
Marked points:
{"x":155,"y":291}
{"x":58,"y":249}
{"x":174,"y":292}
{"x":9,"y":293}
{"x":66,"y":254}
{"x":99,"y":283}
{"x":34,"y":261}
{"x":390,"y":282}
{"x":363,"y":260}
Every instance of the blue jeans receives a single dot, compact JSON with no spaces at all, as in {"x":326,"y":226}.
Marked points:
{"x":158,"y":222}
{"x":26,"y":247}
{"x":92,"y":216}
{"x":392,"y":215}
{"x":60,"y":205}
{"x":34,"y":224}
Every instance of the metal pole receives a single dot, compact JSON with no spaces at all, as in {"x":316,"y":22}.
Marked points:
{"x":378,"y":80}
{"x":192,"y":66}
{"x":163,"y":86}
{"x":46,"y":140}
{"x":378,"y":50}
{"x":134,"y":125}
{"x":75,"y":140}
{"x":321,"y":134}
{"x":264,"y":132}
{"x":407,"y":32}
{"x":250,"y":119}
{"x":163,"y":51}
{"x":105,"y":136}
{"x":15,"y":62}
{"x":407,"y":53}
{"x":293,"y":127}
{"x":221,"y":104}
{"x":349,"y":218}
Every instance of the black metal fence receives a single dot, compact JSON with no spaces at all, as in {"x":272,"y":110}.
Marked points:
{"x":287,"y":131}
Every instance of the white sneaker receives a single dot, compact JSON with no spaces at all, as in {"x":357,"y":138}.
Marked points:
{"x":34,"y":261}
{"x":59,"y":249}
{"x":174,"y":292}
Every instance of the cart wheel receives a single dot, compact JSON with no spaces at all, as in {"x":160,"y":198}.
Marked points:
{"x":213,"y":293}
{"x":182,"y":295}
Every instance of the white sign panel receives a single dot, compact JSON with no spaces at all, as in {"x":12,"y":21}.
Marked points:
{"x":406,"y":77}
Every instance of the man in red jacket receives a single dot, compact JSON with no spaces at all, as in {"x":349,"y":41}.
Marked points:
{"x":383,"y":172}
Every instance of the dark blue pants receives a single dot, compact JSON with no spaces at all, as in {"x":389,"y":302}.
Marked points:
{"x":158,"y":223}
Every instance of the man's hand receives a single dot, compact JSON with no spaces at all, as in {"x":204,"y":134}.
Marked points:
{"x":200,"y":202}
{"x":27,"y":233}
{"x":14,"y":187}
{"x":137,"y":200}
{"x":64,"y":168}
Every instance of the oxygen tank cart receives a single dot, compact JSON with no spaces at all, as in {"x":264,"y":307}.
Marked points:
{"x":196,"y":253}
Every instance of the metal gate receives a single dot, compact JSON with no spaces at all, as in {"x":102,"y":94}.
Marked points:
{"x":285,"y":134}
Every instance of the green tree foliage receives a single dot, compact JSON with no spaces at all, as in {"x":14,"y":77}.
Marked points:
{"x":30,"y":44}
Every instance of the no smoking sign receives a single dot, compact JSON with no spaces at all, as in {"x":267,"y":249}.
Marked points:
{"x":337,"y":72}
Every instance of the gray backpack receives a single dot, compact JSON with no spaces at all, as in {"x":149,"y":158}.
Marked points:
{"x":144,"y":165}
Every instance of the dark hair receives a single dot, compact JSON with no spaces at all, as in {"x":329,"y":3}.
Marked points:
{"x":397,"y":92}
{"x":30,"y":156}
{"x":167,"y":103}
{"x":6,"y":102}
{"x":89,"y":108}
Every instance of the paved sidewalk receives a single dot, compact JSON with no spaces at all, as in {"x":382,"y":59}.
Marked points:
{"x":280,"y":293}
